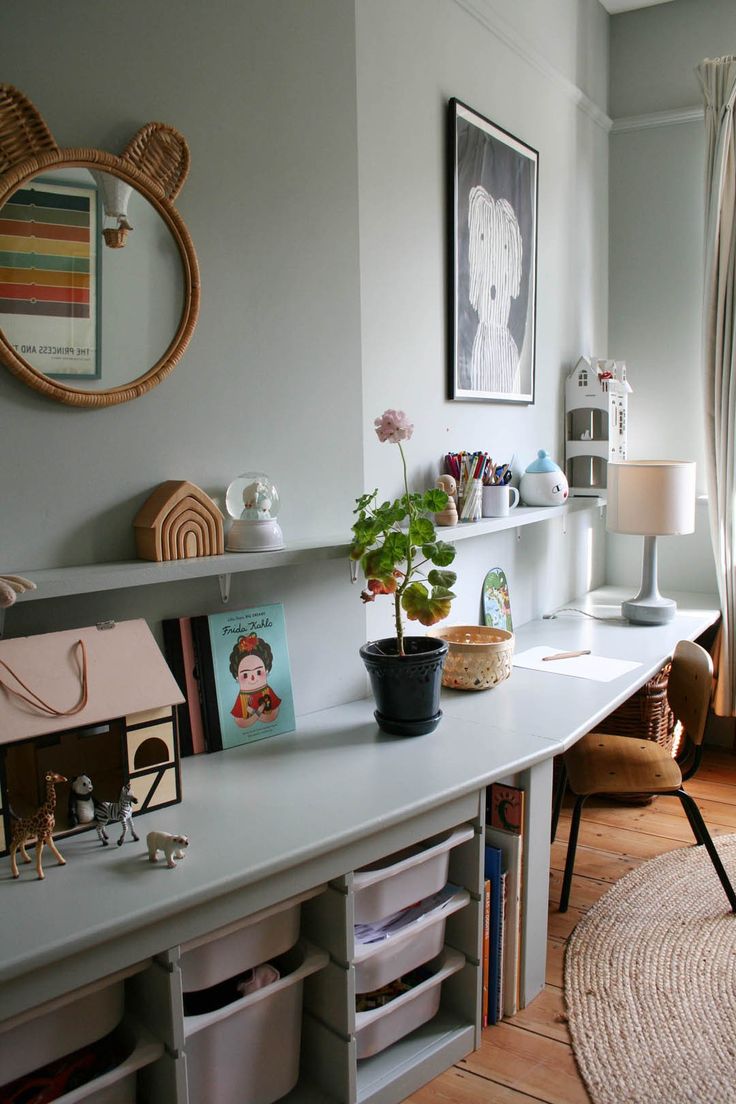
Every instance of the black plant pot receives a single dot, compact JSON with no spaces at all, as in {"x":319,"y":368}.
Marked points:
{"x":406,"y":688}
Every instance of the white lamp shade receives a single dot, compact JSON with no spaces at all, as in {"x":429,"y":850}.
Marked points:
{"x":653,"y":498}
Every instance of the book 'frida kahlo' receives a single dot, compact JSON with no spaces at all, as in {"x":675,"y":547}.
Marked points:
{"x":248,"y":666}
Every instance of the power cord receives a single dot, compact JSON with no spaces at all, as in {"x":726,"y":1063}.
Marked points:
{"x":573,"y":609}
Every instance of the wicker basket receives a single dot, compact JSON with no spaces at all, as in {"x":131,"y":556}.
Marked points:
{"x":478,"y":658}
{"x":646,"y":715}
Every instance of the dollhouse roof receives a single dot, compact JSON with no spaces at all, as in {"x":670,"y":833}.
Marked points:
{"x":126,"y":673}
{"x":614,"y":383}
{"x":583,"y":364}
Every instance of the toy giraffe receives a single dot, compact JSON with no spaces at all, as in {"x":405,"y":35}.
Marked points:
{"x":40,"y":825}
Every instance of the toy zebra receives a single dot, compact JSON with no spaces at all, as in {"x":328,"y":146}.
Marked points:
{"x":110,"y":812}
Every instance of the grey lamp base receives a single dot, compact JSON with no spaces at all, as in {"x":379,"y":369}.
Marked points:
{"x":649,"y":607}
{"x":649,"y":612}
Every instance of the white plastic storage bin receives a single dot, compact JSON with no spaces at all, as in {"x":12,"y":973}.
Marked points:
{"x":378,"y":963}
{"x":118,"y":1086}
{"x":248,"y":1052}
{"x":399,"y":880}
{"x":115,"y":1086}
{"x":68,"y":1026}
{"x":239,"y":946}
{"x":378,"y":1028}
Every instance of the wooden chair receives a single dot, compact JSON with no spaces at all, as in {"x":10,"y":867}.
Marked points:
{"x":606,"y":764}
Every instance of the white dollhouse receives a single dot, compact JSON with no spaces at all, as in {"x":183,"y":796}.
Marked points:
{"x":596,"y":415}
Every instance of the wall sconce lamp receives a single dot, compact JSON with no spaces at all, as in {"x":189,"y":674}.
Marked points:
{"x":115,"y":198}
{"x":651,"y":498}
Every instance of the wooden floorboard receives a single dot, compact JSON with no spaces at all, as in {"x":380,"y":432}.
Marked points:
{"x":528,"y":1059}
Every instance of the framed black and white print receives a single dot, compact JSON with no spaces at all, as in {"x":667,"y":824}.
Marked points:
{"x":493,"y":246}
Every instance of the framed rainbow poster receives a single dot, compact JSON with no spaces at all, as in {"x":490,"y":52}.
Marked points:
{"x":49,"y":277}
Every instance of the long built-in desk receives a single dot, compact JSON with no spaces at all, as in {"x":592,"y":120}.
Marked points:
{"x":283,"y":816}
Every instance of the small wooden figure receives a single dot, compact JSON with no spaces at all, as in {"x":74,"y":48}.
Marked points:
{"x":448,"y":516}
{"x":40,"y":827}
{"x":112,"y":812}
{"x":173,"y":847}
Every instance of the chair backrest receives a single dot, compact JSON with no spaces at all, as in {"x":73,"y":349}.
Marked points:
{"x":690,"y":687}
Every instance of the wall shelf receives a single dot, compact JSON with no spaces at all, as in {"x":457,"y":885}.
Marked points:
{"x":518,"y":518}
{"x":65,"y":582}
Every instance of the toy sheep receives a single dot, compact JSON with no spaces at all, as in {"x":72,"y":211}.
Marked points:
{"x":173,"y":847}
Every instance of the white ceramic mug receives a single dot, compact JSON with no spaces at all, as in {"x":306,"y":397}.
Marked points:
{"x":498,"y":501}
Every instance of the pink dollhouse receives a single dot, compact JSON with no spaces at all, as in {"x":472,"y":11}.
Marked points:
{"x":124,"y":732}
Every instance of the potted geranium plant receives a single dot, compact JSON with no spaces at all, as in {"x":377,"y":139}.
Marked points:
{"x":396,"y":545}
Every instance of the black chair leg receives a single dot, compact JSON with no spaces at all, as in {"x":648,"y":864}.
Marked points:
{"x":571,"y":847}
{"x":558,"y":798}
{"x":695,"y":818}
{"x":694,"y":824}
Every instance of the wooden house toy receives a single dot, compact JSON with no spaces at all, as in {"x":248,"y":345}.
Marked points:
{"x":178,"y":521}
{"x":596,"y":418}
{"x":124,"y":732}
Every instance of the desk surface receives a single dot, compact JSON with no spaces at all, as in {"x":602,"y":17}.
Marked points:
{"x":562,"y":709}
{"x":307,"y":802}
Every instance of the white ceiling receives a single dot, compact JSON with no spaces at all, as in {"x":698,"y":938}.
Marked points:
{"x":613,"y":7}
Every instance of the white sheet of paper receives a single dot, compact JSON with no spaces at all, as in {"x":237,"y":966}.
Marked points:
{"x":597,"y":668}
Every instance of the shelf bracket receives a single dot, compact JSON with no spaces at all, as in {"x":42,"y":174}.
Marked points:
{"x":224,"y":582}
{"x":518,"y":533}
{"x":564,"y":525}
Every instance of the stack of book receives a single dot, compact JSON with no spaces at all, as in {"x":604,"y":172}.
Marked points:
{"x":233,"y":668}
{"x":502,"y":912}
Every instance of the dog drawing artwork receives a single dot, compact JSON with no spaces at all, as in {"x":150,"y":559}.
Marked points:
{"x":495,"y":252}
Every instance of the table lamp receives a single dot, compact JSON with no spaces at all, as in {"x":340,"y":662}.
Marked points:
{"x":651,"y":498}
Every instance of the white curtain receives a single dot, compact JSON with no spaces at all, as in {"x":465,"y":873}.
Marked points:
{"x":718,"y":80}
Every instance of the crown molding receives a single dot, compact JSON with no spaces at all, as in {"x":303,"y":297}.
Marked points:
{"x":674,"y":117}
{"x":482,"y":11}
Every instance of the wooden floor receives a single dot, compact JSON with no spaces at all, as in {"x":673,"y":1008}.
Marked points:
{"x":528,"y":1057}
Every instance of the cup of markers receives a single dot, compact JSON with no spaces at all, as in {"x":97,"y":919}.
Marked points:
{"x":499,"y":497}
{"x":473,"y":471}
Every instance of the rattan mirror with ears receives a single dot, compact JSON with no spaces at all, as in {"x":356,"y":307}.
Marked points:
{"x":92,"y":314}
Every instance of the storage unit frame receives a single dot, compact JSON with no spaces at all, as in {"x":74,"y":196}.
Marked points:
{"x":281,"y":817}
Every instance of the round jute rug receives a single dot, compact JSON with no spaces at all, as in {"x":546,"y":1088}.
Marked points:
{"x":650,"y":984}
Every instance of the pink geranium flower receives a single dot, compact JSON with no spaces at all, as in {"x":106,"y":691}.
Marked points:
{"x":393,"y":426}
{"x":396,"y":543}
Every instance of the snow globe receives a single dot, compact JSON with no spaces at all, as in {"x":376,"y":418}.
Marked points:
{"x":544,"y":483}
{"x":252,"y":501}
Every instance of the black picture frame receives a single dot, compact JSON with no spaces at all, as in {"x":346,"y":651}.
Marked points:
{"x":493,"y":261}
